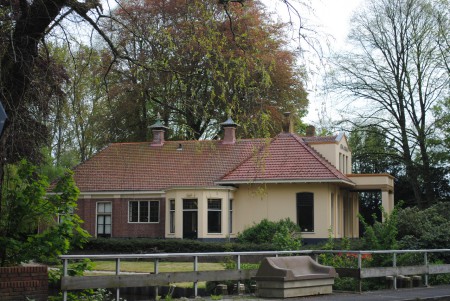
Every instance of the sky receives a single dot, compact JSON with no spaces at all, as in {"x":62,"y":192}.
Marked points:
{"x":332,"y":20}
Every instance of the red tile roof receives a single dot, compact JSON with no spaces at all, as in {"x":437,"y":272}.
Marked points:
{"x":287,"y":158}
{"x":141,"y":167}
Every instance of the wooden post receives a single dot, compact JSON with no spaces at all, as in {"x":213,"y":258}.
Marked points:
{"x":65,"y":275}
{"x":394,"y":264}
{"x":359,"y":268}
{"x":238,"y":266}
{"x":425,"y":258}
{"x":156,"y":271}
{"x":117,"y":273}
{"x":196,"y":282}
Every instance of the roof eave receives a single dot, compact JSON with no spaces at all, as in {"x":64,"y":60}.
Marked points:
{"x":284,"y":181}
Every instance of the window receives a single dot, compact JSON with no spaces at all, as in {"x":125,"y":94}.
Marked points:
{"x":63,"y":216}
{"x":172,"y":216}
{"x":230,"y":221}
{"x":332,"y":213}
{"x":143,"y":212}
{"x":104,"y":220}
{"x":214,"y":215}
{"x":305,"y":211}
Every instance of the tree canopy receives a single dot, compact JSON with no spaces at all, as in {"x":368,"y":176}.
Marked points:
{"x":397,"y":64}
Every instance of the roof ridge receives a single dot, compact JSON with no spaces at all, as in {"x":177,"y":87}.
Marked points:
{"x":321,"y":159}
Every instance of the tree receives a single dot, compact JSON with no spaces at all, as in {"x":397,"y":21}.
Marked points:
{"x":76,"y":127}
{"x":28,"y":229}
{"x":195,"y":63}
{"x":396,"y":65}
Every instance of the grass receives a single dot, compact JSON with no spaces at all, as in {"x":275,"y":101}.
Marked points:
{"x":148,"y":266}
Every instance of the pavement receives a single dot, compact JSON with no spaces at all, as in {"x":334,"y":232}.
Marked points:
{"x":436,"y":293}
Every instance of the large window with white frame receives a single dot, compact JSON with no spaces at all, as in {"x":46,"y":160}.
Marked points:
{"x":143,"y":211}
{"x":214,"y":216}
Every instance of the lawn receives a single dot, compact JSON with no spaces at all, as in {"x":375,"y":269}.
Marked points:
{"x":148,"y":266}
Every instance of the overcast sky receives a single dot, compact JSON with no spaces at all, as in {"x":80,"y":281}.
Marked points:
{"x":332,"y":19}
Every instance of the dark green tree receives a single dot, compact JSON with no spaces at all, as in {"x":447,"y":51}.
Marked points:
{"x":28,"y":226}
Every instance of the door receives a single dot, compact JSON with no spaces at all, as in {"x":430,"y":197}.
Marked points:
{"x":190,"y":218}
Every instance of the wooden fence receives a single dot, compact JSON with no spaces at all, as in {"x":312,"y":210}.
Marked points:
{"x":155,"y":278}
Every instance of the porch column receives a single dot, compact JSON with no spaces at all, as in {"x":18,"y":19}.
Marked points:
{"x":387,"y":201}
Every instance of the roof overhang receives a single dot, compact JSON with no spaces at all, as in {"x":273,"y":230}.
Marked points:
{"x":201,"y":188}
{"x":286,"y":181}
{"x":367,"y":182}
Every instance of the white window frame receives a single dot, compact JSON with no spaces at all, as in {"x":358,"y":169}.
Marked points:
{"x":104,"y":214}
{"x":139,"y":208}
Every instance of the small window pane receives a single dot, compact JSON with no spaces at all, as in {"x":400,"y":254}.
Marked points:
{"x":100,"y":229}
{"x":108,"y":207}
{"x":190,"y":204}
{"x":143,"y":212}
{"x":154,"y":211}
{"x":215,"y":204}
{"x":107,"y":229}
{"x":133,"y":212}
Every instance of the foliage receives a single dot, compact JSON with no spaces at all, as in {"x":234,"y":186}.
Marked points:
{"x":424,"y":229}
{"x":27,"y":216}
{"x":381,"y":235}
{"x":283,"y":233}
{"x":145,"y":245}
{"x":194,"y":63}
{"x":397,"y":71}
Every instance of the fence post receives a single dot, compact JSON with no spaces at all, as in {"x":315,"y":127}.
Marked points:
{"x":65,"y":275}
{"x":196,"y":282}
{"x":238,"y":266}
{"x":394,"y":264}
{"x":156,"y":271}
{"x":359,"y":271}
{"x":425,"y":257}
{"x":117,"y":273}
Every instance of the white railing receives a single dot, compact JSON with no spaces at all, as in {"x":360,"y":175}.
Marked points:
{"x":155,"y":278}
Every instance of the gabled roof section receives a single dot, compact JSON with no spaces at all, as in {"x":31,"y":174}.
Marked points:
{"x":287,"y":158}
{"x":142,"y":167}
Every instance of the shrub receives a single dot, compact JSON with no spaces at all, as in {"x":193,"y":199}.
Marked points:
{"x":284,"y":234}
{"x":424,"y":229}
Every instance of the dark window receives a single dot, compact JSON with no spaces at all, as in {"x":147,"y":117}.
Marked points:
{"x":305,"y":211}
{"x":172,"y":216}
{"x":214,"y":216}
{"x":143,"y":212}
{"x":230,"y":222}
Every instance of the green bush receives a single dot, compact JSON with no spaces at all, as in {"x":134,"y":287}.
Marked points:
{"x":147,"y":245}
{"x":284,"y":234}
{"x":424,"y":229}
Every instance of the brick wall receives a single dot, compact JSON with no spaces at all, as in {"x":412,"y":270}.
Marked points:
{"x":120,"y":226}
{"x":18,"y":283}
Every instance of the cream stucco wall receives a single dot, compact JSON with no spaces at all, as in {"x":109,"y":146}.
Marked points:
{"x":337,"y":153}
{"x":252,"y":203}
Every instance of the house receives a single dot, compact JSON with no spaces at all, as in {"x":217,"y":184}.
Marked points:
{"x":212,"y":190}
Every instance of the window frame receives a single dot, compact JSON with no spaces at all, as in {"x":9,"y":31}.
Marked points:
{"x":308,"y":197}
{"x":215,"y":211}
{"x":104,"y":214}
{"x":148,"y":213}
{"x":172,"y":216}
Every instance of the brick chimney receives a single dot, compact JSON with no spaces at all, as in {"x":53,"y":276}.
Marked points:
{"x":158,"y":130}
{"x":288,"y":126}
{"x":229,"y":127}
{"x":310,"y":131}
